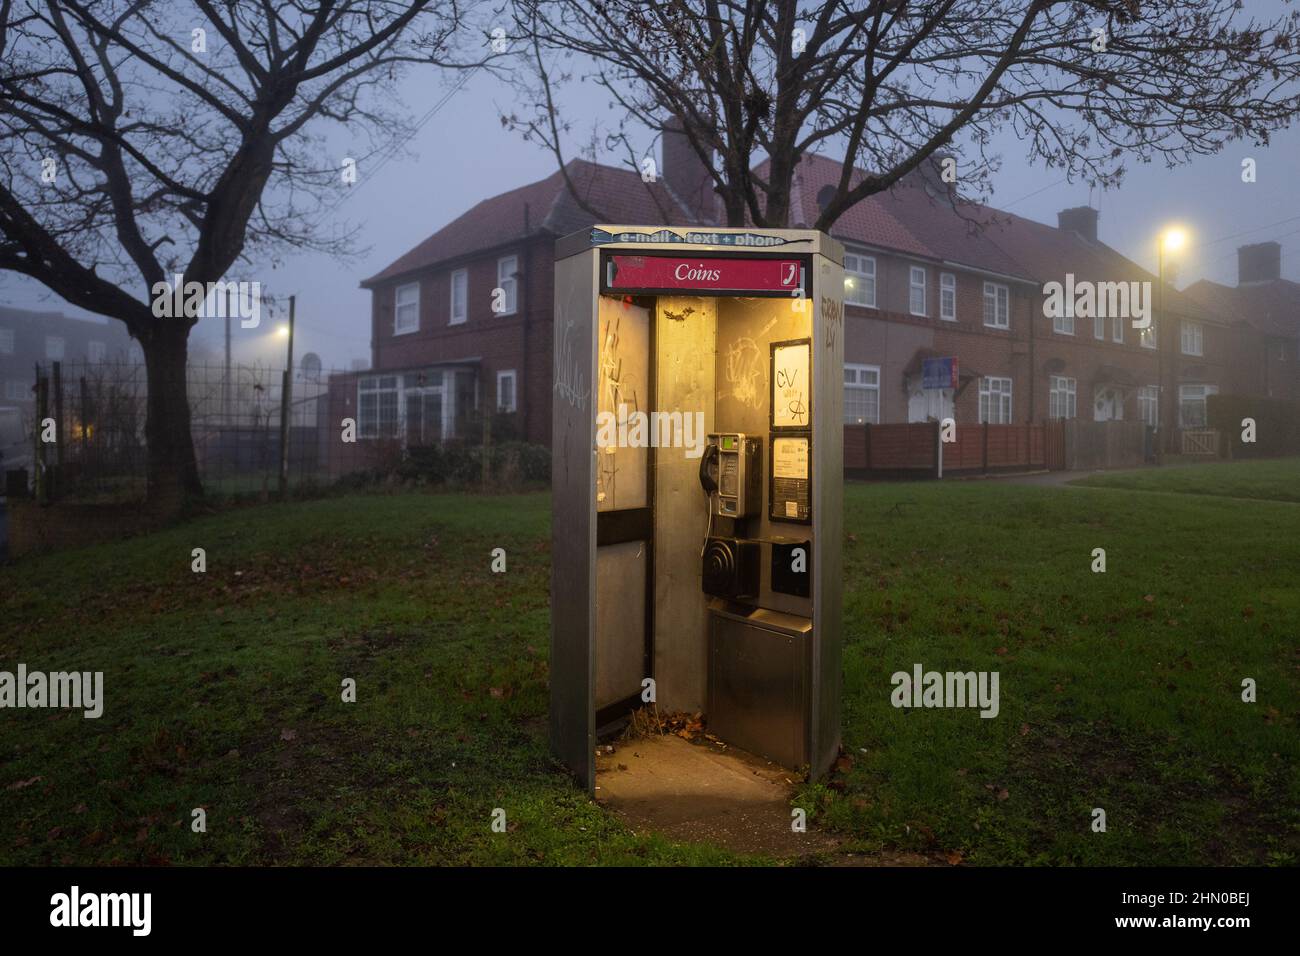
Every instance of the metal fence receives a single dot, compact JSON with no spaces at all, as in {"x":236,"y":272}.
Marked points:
{"x":237,"y":419}
{"x":85,"y":433}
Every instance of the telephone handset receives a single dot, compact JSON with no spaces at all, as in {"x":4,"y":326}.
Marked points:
{"x":709,"y":469}
{"x":730,"y":474}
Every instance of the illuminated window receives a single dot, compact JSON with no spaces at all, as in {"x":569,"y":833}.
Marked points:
{"x":861,"y":394}
{"x":859,"y":280}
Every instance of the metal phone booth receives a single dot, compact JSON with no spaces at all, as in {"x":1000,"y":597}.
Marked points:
{"x":697,"y":487}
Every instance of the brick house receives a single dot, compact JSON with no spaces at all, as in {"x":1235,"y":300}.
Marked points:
{"x":441,"y":347}
{"x":1265,"y":311}
{"x":925,"y":277}
{"x":28,"y":338}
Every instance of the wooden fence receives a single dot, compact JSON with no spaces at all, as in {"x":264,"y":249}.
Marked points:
{"x":912,"y":450}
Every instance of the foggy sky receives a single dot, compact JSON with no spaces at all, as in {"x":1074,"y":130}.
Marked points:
{"x":463,"y":155}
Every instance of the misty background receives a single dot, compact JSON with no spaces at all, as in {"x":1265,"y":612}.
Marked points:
{"x":462,"y":154}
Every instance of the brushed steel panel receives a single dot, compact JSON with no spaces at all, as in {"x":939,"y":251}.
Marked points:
{"x":758,"y":688}
{"x":573,"y":519}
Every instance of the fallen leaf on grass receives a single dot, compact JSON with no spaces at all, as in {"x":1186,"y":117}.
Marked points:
{"x":953,"y":857}
{"x":287,"y":734}
{"x":24,"y":784}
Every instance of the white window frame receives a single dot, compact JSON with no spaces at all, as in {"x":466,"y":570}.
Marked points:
{"x":996,"y":390}
{"x":50,"y":348}
{"x":913,"y":287}
{"x":459,"y":277}
{"x":1117,"y":329}
{"x":1099,"y":328}
{"x":1189,"y":393}
{"x":399,"y":305}
{"x":1062,"y":397}
{"x":1147,"y":336}
{"x":861,"y":271}
{"x":504,"y":376}
{"x":6,"y":341}
{"x":1000,"y":296}
{"x":1196,"y":345}
{"x":373,"y":385}
{"x":507,"y":279}
{"x":856,"y":380}
{"x":947,"y":297}
{"x":1063,"y":323}
{"x":1148,"y":397}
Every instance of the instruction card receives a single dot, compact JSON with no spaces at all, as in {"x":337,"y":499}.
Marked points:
{"x":790,"y":479}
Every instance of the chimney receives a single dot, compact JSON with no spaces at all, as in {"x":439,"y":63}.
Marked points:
{"x":1080,"y":219}
{"x":1261,"y":262}
{"x":686,"y":177}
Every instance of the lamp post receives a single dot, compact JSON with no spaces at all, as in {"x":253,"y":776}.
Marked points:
{"x":286,"y":398}
{"x":1171,"y":239}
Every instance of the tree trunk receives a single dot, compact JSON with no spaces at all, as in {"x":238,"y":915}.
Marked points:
{"x":173,"y":471}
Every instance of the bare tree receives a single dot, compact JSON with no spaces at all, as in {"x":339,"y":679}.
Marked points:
{"x":140,"y":139}
{"x":1087,"y":86}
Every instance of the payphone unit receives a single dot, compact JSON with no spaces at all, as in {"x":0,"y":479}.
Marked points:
{"x":696,"y":486}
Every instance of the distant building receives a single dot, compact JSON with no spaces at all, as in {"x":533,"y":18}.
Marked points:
{"x":926,"y":276}
{"x":29,"y":338}
{"x":1265,"y":311}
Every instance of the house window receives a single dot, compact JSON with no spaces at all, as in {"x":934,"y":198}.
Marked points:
{"x":1193,"y":339}
{"x":861,"y":394}
{"x":459,"y":296}
{"x":1061,"y":322}
{"x":17,"y":391}
{"x":860,"y":279}
{"x":95,"y":351}
{"x":1191,"y":404}
{"x":377,"y":406}
{"x":948,"y":296}
{"x":1117,"y":329}
{"x":997,"y":306}
{"x":54,"y":348}
{"x":995,"y":401}
{"x":406,"y":313}
{"x":917,"y":291}
{"x":1149,"y":405}
{"x":6,"y":341}
{"x":508,"y":283}
{"x":1061,"y":398}
{"x":1099,"y":327}
{"x":1147,"y":336}
{"x":506,"y":391}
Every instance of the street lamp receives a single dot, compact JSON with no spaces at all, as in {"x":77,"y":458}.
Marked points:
{"x":1172,"y":239}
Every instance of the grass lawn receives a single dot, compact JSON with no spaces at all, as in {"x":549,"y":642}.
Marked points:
{"x":1118,"y":690}
{"x":1275,"y":479}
